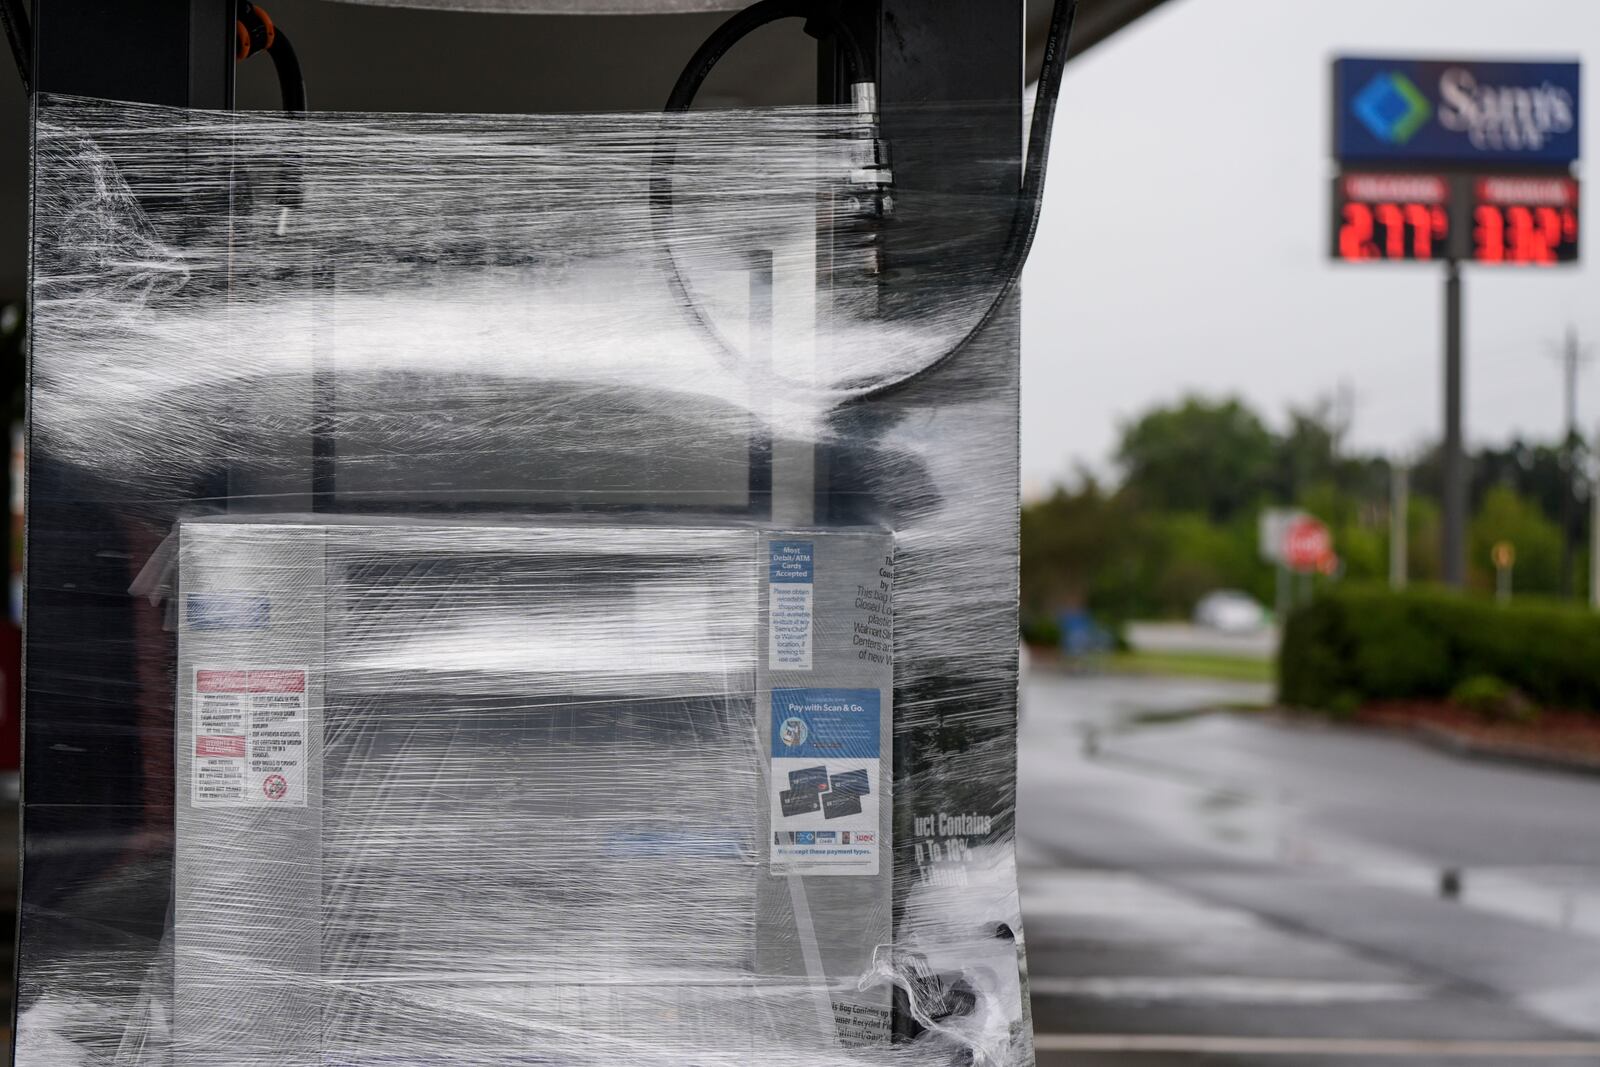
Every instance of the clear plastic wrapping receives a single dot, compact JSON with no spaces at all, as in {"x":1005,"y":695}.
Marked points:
{"x":566,"y":7}
{"x":518,"y":590}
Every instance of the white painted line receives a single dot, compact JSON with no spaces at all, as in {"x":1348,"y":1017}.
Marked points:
{"x":1503,"y":1051}
{"x":1228,"y":989}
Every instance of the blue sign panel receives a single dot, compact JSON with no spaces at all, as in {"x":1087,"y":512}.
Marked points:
{"x":1449,"y":112}
{"x":793,"y":562}
{"x":818,"y":723}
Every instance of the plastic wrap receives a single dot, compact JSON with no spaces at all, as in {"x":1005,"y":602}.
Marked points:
{"x":566,"y":7}
{"x":518,"y":590}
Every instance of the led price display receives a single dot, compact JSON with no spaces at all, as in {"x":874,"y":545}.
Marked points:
{"x":1391,"y":216}
{"x":1525,"y":220}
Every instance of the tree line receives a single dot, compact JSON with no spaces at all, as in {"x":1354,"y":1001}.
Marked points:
{"x":1179,"y":518}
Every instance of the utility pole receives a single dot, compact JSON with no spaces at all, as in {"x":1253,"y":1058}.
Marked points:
{"x":1454,"y":549}
{"x":1594,"y":530}
{"x":1399,"y":507}
{"x":1343,"y":415}
{"x":1572,"y":359}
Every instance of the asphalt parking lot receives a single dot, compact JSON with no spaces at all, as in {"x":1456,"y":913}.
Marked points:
{"x":1226,"y":889}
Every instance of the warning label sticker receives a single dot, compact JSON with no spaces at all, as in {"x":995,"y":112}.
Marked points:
{"x":250,"y":737}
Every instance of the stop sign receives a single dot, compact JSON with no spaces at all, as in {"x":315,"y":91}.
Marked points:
{"x":1307,"y":544}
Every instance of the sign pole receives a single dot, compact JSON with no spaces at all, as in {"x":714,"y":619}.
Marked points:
{"x":1504,"y":557}
{"x":1594,"y":538}
{"x":1454,"y":549}
{"x":1572,"y":361}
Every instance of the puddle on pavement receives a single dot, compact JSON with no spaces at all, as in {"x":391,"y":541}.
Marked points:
{"x":1273,"y":828}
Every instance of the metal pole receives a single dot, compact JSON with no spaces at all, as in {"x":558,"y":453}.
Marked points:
{"x":1594,"y":535}
{"x":1399,"y":507}
{"x":1454,"y":549}
{"x":171,"y":52}
{"x":1594,"y":544}
{"x":1569,"y":473}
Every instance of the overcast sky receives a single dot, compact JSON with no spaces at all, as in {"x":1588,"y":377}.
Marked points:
{"x":1184,"y":242}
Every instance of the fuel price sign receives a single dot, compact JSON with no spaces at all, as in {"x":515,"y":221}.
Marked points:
{"x":1391,"y":216}
{"x":1531,"y":219}
{"x":1528,"y":219}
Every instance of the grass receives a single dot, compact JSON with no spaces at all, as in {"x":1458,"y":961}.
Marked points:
{"x":1195,"y":665}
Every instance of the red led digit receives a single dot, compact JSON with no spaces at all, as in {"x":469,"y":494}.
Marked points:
{"x":1528,"y":244}
{"x":1393,"y":221}
{"x":1355,"y":236}
{"x":1519,"y":229}
{"x":1549,"y":233}
{"x":1489,"y":235}
{"x":1423,"y":221}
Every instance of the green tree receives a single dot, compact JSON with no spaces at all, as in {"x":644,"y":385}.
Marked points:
{"x":1077,"y":543}
{"x":1195,"y":556}
{"x":1424,"y":528}
{"x":1215,"y":458}
{"x":1184,"y":519}
{"x":1358,"y":526}
{"x":1508,"y":516}
{"x":1308,"y":454}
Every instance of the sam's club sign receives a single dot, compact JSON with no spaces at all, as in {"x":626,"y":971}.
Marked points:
{"x":1446,"y":111}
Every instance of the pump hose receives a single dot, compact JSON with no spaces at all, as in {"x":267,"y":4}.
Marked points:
{"x":1024,"y":225}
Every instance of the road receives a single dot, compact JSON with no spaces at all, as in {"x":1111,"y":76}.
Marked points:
{"x":1222,"y":889}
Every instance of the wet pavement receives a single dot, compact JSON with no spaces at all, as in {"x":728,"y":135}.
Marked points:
{"x":1224,"y":889}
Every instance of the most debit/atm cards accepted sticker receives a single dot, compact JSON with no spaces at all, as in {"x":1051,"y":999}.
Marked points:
{"x":790,"y":578}
{"x":249,"y":737}
{"x":826,"y":780}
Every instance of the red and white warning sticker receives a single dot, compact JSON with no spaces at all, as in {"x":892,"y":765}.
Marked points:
{"x":250,"y":737}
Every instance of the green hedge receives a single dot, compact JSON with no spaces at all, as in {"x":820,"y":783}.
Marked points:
{"x":1354,"y":644}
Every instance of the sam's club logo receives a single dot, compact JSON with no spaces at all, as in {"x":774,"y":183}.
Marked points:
{"x":1392,"y":107}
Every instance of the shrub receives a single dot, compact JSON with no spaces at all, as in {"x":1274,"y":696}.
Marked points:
{"x":1482,"y":693}
{"x":1344,"y":705}
{"x":1041,"y":631}
{"x":1377,"y":644}
{"x":1489,"y":697}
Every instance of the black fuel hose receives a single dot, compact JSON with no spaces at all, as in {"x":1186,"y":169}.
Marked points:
{"x":258,"y":33}
{"x":1024,"y":225}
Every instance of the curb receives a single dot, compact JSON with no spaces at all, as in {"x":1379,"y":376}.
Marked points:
{"x":1451,"y":743}
{"x":1446,"y":740}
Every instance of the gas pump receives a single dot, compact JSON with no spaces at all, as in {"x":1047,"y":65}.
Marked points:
{"x":637,"y":684}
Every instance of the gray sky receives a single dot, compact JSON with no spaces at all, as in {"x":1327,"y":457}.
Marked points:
{"x":1142,"y":285}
